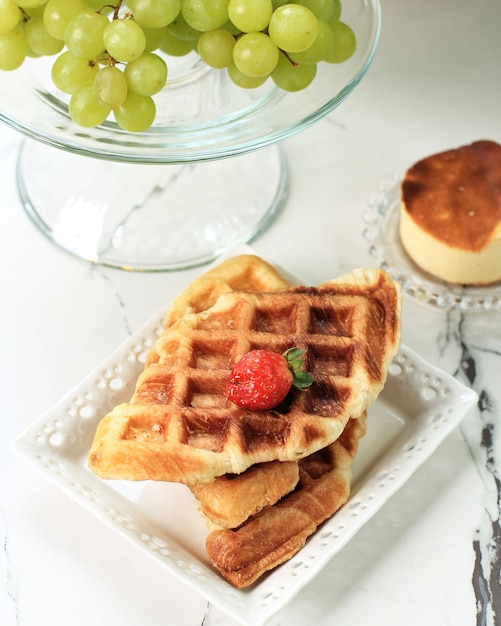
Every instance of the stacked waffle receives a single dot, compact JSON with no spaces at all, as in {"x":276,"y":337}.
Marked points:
{"x":264,"y":480}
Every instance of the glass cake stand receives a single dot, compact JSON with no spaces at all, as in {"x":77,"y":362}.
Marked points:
{"x":209,"y":174}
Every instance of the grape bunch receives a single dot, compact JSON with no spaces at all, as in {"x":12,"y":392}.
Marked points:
{"x":113,"y":58}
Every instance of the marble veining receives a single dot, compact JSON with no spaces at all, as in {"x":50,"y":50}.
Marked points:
{"x":481,"y":432}
{"x":9,"y":578}
{"x":118,"y":297}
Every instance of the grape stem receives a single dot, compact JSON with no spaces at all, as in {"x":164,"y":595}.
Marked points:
{"x":293,"y":63}
{"x":106,"y":6}
{"x":116,"y":9}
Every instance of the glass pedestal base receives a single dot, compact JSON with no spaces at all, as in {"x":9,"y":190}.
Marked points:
{"x":148,"y":217}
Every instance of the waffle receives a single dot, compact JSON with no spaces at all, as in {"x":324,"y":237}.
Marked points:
{"x":279,"y":531}
{"x":246,"y":272}
{"x":229,"y":500}
{"x":179,"y":426}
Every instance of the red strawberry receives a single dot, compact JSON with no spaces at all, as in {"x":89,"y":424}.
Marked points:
{"x":262,"y":378}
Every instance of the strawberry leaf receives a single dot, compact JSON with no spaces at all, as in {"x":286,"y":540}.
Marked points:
{"x":302,"y":379}
{"x":295,"y":360}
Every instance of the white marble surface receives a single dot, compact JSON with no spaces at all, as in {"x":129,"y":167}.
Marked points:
{"x":432,"y":554}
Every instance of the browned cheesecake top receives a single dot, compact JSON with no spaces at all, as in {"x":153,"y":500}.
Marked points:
{"x":455,"y":196}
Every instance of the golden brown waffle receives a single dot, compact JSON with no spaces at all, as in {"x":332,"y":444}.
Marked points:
{"x":246,"y":272}
{"x":180,"y":427}
{"x":279,"y":531}
{"x":230,"y":500}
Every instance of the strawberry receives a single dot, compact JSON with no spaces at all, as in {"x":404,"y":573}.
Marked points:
{"x":262,"y":378}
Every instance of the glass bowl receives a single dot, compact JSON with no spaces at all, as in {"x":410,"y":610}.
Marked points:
{"x":191,"y":201}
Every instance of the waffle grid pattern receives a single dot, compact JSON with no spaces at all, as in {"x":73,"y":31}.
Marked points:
{"x":178,"y":426}
{"x":193,"y":365}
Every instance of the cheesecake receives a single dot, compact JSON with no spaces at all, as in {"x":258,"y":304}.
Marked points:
{"x":450,"y":214}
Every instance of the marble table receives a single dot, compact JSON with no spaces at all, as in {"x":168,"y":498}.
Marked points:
{"x":432,"y":554}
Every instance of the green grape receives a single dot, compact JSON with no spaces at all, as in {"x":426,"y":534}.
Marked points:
{"x":255,"y":54}
{"x":30,"y":4}
{"x":84,"y":109}
{"x":58,"y":14}
{"x":154,"y":13}
{"x":250,"y":16}
{"x":253,"y":39}
{"x":10,"y":16}
{"x":242,"y":80}
{"x":290,"y":77}
{"x":136,"y":114}
{"x":69,"y":72}
{"x":337,"y":10}
{"x":124,"y":40}
{"x":215,"y":48}
{"x":146,"y":75}
{"x":203,"y":15}
{"x":99,"y":5}
{"x":110,"y":87}
{"x":33,"y":12}
{"x":84,"y":35}
{"x":154,"y":37}
{"x":293,"y":28}
{"x":319,"y":49}
{"x":13,"y":49}
{"x":231,"y":28}
{"x":345,"y":43}
{"x":39,"y":40}
{"x":175,"y":47}
{"x":182,"y":30}
{"x":323,"y":9}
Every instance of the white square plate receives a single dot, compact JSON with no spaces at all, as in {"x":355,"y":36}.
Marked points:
{"x":419,"y":406}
